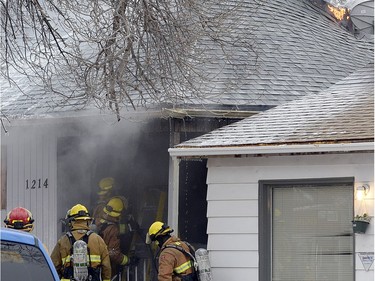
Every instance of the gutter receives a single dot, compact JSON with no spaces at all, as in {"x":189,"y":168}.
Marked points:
{"x":205,"y":152}
{"x":207,"y":113}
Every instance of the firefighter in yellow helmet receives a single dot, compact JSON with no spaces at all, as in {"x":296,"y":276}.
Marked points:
{"x":109,"y":230}
{"x":174,"y":262}
{"x":98,"y":265}
{"x":104,"y":194}
{"x":20,"y":218}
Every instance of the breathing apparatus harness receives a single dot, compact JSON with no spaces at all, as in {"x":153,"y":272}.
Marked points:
{"x":194,"y":276}
{"x":93,"y":273}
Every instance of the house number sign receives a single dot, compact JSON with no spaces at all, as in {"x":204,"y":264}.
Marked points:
{"x":36,"y":184}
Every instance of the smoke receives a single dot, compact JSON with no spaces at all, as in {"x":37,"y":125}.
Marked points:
{"x":123,"y":150}
{"x":72,"y":155}
{"x":339,"y":3}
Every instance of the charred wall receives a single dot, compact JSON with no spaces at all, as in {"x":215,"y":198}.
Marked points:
{"x":192,"y":180}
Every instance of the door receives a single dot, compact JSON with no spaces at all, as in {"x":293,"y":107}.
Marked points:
{"x":308,"y":232}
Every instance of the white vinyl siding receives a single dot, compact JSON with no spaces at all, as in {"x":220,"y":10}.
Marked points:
{"x":3,"y":176}
{"x":234,"y":182}
{"x":31,"y":159}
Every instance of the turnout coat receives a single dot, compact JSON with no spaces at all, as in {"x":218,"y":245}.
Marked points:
{"x":174,"y":264}
{"x":99,"y":256}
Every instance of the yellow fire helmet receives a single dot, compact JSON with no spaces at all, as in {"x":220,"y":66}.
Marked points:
{"x":156,"y":229}
{"x":79,"y":212}
{"x":115,"y":206}
{"x":105,"y":185}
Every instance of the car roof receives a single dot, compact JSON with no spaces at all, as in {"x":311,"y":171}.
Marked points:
{"x":18,"y":236}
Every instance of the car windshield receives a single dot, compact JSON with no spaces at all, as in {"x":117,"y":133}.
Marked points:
{"x":23,"y":262}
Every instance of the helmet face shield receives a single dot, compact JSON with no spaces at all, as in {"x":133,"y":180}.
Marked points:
{"x":148,"y":239}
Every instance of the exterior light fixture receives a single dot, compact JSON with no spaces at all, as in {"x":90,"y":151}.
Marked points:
{"x":362,"y":191}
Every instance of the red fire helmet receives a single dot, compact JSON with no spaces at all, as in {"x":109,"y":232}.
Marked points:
{"x":19,"y":218}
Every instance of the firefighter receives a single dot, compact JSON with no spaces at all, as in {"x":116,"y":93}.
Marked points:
{"x":174,"y":262}
{"x":109,"y":230}
{"x":98,"y":264}
{"x":104,"y":194}
{"x":20,"y":218}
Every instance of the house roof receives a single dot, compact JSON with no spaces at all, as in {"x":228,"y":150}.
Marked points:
{"x":344,"y":113}
{"x":293,"y":49}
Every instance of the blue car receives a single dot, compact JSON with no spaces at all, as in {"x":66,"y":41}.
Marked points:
{"x":24,"y":257}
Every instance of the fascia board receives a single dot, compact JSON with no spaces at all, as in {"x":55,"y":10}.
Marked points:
{"x":271,"y":149}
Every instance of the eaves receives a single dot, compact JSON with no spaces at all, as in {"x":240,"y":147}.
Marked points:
{"x":206,"y":113}
{"x":275,"y":149}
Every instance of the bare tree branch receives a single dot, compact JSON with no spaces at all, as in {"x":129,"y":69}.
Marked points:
{"x":119,"y":53}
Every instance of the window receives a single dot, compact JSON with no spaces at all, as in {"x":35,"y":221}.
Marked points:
{"x":23,"y":262}
{"x":306,"y":234}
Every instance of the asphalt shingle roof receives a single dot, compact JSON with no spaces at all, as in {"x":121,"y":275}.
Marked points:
{"x":293,"y":50}
{"x":342,"y":113}
{"x":296,"y":50}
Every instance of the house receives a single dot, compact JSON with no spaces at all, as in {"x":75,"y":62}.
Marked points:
{"x":54,"y":154}
{"x":282,"y":187}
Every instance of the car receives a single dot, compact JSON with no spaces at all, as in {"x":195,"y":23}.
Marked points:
{"x":24,"y":257}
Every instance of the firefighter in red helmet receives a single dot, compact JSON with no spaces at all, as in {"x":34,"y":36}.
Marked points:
{"x":20,"y":218}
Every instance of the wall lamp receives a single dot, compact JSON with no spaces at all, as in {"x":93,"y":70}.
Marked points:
{"x":362,"y":191}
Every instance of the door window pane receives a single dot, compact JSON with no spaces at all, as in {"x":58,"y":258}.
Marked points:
{"x":311,"y":233}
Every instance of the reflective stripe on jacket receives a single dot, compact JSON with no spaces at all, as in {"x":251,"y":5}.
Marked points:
{"x":92,"y":258}
{"x":183,"y":267}
{"x":110,"y":233}
{"x":98,"y":254}
{"x":172,"y":262}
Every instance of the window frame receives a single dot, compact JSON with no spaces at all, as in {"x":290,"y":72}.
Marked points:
{"x":265,"y":188}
